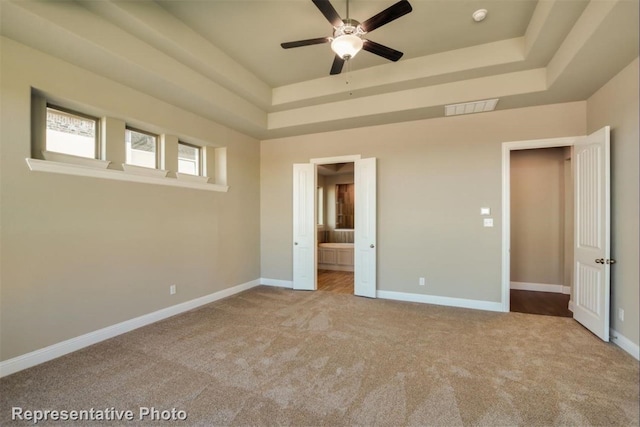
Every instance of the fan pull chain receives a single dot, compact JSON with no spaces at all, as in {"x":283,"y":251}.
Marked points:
{"x":347,"y":75}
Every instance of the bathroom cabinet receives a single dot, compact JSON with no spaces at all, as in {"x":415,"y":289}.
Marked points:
{"x":335,"y":256}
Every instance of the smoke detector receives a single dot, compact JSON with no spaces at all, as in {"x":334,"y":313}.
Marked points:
{"x":479,"y":15}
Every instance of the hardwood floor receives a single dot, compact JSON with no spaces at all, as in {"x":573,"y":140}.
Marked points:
{"x":339,"y":282}
{"x":546,"y":303}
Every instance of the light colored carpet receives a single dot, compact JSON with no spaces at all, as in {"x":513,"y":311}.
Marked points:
{"x":275,"y":356}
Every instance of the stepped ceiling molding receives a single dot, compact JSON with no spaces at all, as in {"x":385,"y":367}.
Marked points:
{"x":223,"y":60}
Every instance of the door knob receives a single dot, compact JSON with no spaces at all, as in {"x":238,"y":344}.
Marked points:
{"x":600,"y":261}
{"x":295,"y":243}
{"x":372,"y":246}
{"x":611,"y":261}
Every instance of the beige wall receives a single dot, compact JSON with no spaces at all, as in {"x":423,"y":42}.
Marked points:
{"x":433,"y":178}
{"x":78,"y":253}
{"x":537,"y":216}
{"x":616,"y":105}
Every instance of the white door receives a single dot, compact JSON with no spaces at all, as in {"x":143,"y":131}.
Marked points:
{"x":365,"y":228}
{"x":304,"y":226}
{"x":592,"y":261}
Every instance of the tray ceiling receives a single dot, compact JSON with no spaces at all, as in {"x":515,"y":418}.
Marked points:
{"x":223,"y":60}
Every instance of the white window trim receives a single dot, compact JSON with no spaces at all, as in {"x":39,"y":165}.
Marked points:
{"x":64,"y":168}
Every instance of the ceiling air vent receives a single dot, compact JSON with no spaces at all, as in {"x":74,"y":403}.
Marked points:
{"x":470,"y":107}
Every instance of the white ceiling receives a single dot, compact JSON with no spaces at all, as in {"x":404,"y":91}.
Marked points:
{"x":222,"y":58}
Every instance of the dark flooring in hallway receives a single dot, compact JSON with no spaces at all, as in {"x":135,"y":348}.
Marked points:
{"x":545,"y":303}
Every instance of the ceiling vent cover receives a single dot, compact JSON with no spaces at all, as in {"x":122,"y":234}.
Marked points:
{"x":470,"y":107}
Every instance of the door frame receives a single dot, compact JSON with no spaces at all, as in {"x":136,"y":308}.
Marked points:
{"x":329,"y":161}
{"x":507,"y":148}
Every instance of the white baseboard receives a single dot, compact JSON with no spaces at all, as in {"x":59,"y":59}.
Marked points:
{"x":277,"y":282}
{"x":540,"y":287}
{"x":54,"y":351}
{"x":625,"y":343}
{"x":437,"y":300}
{"x":570,"y":305}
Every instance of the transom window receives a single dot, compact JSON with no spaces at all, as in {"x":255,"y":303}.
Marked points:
{"x":72,"y":133}
{"x":189,"y":159}
{"x":141,"y":148}
{"x":63,"y":139}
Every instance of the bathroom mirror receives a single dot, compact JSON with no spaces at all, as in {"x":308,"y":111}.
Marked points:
{"x":344,"y":206}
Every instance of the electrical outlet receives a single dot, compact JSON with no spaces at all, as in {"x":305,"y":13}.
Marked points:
{"x":621,"y":314}
{"x":421,"y":281}
{"x":172,"y":290}
{"x":488,"y":222}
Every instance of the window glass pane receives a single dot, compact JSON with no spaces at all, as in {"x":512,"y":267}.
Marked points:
{"x":140,"y":149}
{"x":188,"y":159}
{"x":70,"y":134}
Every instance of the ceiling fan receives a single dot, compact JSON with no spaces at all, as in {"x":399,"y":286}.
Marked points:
{"x":348,"y":33}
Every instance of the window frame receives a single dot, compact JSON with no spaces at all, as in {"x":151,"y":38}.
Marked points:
{"x":109,"y":162}
{"x":156,"y":137}
{"x":199,"y":163}
{"x":97,"y":146}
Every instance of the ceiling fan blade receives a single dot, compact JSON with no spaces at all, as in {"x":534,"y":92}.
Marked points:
{"x":336,"y":67}
{"x":389,"y":14}
{"x":328,"y":11}
{"x":381,"y":50}
{"x":308,"y":42}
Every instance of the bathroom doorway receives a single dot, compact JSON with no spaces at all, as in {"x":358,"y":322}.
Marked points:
{"x":305,"y":226}
{"x":336,"y":226}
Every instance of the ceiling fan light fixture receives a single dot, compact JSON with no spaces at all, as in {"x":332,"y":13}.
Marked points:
{"x":348,"y":33}
{"x":347,"y":46}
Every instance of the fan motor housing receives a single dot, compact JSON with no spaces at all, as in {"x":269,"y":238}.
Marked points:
{"x":349,"y":27}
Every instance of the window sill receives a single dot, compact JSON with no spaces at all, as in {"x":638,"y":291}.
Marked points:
{"x":192,"y":178}
{"x":144,"y":171}
{"x":37,"y":165}
{"x":52,"y":156}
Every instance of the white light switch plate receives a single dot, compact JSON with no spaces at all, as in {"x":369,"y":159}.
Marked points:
{"x":485,"y":211}
{"x":488,"y":222}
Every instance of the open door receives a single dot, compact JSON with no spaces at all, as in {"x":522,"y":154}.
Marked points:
{"x":592,"y":261}
{"x":365,"y":228}
{"x":304,"y":227}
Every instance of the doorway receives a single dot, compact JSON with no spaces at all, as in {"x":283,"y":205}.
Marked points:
{"x":305,"y":233}
{"x":541,"y":231}
{"x":335,"y":204}
{"x":590,"y":301}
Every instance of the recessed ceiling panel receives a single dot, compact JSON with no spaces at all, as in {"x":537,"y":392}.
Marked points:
{"x":251,"y":31}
